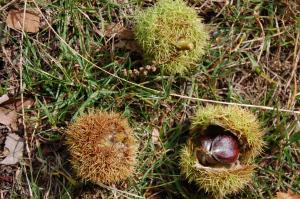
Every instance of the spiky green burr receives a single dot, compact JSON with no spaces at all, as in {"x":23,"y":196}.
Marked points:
{"x":171,"y":35}
{"x":222,"y":180}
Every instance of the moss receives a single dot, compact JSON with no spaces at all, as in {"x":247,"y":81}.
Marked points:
{"x":171,"y":35}
{"x":102,"y":147}
{"x":223,"y":180}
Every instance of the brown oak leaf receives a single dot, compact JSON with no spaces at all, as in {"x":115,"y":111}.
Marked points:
{"x":15,"y":20}
{"x":289,"y":195}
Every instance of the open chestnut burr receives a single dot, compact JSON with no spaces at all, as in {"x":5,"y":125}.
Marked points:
{"x":219,"y":155}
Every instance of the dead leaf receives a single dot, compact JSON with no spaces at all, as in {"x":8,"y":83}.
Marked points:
{"x":288,"y":195}
{"x":27,"y":103}
{"x":155,"y":136}
{"x":17,"y":104}
{"x":14,"y":146}
{"x":15,"y":19}
{"x":117,"y":29}
{"x":4,"y":98}
{"x":9,"y":118}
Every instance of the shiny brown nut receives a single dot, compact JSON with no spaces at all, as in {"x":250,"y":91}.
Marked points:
{"x":220,"y":149}
{"x":225,"y":149}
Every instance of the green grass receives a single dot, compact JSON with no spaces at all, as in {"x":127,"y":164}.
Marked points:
{"x":247,"y":63}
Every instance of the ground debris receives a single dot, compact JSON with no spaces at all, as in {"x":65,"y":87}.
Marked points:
{"x":15,"y":19}
{"x":155,"y":136}
{"x":8,"y":118}
{"x":289,"y":195}
{"x":4,"y":98}
{"x":13,"y":149}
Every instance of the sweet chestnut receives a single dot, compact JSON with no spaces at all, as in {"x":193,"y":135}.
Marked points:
{"x":219,"y":149}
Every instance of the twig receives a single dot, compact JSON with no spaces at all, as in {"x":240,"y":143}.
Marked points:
{"x":235,"y":104}
{"x":296,"y":59}
{"x":22,"y":95}
{"x":293,"y":74}
{"x":263,"y":36}
{"x":8,"y":4}
{"x":120,"y":191}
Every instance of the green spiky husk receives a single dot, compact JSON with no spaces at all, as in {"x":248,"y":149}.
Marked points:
{"x":240,"y":122}
{"x":166,"y":28}
{"x":102,"y":147}
{"x":217,"y":181}
{"x":221,"y":180}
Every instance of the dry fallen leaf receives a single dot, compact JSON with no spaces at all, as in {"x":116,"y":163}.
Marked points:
{"x":8,"y":118}
{"x":18,"y":105}
{"x":155,"y":136}
{"x":4,"y":98}
{"x":288,"y":195}
{"x":15,"y":19}
{"x":27,"y":103}
{"x":14,"y":149}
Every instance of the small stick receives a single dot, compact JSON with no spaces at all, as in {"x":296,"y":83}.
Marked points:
{"x":236,"y":104}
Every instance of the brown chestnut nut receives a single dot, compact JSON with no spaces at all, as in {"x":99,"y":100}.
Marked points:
{"x":203,"y":152}
{"x":222,"y":149}
{"x":225,"y":149}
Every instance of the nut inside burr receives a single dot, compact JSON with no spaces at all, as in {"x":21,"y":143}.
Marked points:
{"x":217,"y":147}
